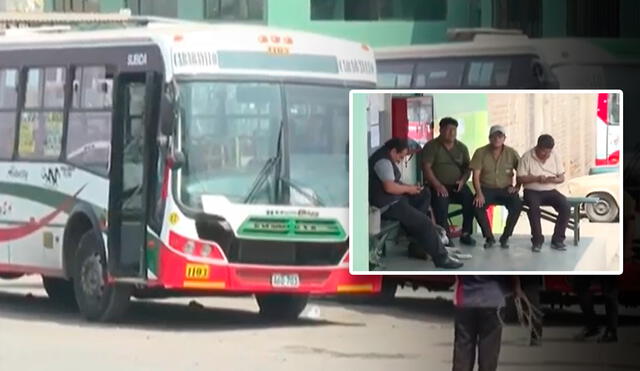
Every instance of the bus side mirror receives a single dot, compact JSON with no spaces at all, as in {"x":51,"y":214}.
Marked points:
{"x":167,"y":119}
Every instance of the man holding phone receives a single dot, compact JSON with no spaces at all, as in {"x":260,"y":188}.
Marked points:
{"x":540,"y":171}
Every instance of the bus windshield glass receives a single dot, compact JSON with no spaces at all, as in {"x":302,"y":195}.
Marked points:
{"x":264,"y":143}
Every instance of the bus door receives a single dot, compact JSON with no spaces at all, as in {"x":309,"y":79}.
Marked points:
{"x":134,"y":151}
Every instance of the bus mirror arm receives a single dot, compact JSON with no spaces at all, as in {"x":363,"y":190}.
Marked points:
{"x":175,"y":160}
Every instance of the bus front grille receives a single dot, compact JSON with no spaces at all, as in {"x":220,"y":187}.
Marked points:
{"x":287,"y":253}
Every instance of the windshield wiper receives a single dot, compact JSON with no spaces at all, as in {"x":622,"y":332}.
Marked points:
{"x":264,"y":173}
{"x":312,"y":197}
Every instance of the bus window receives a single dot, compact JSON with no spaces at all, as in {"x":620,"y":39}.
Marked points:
{"x":439,"y":74}
{"x":394,"y":74}
{"x":8,"y":102}
{"x":40,"y":134}
{"x":89,"y":128}
{"x":490,"y":73}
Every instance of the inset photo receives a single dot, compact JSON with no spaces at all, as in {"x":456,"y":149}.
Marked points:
{"x":484,"y":182}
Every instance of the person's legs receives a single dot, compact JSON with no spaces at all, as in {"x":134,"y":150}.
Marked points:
{"x":514,"y":207}
{"x":559,"y":202}
{"x":464,"y":198}
{"x":532,"y":199}
{"x":440,"y":207}
{"x":417,"y":225}
{"x":490,"y":195}
{"x":489,"y":339}
{"x":610,"y":294}
{"x":532,"y":285}
{"x":465,"y":339}
{"x":582,"y":284}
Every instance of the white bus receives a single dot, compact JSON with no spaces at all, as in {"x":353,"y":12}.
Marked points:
{"x":158,"y":159}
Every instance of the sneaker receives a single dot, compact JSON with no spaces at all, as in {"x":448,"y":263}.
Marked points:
{"x":504,"y":243}
{"x":449,"y":263}
{"x":536,"y":247}
{"x":558,"y":246}
{"x":608,"y":337}
{"x":489,"y":243}
{"x":467,"y":240}
{"x":586,"y":333}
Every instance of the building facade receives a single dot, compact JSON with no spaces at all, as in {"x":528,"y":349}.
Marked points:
{"x":393,"y":22}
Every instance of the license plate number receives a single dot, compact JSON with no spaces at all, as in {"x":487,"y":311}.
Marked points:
{"x":285,"y":280}
{"x":197,"y":271}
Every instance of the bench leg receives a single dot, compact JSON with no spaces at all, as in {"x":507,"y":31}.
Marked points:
{"x":576,"y":225}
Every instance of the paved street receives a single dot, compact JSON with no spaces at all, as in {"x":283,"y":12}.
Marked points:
{"x":415,"y":333}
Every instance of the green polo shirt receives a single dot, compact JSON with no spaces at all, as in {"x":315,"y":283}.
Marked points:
{"x":444,"y":168}
{"x":495,"y":173}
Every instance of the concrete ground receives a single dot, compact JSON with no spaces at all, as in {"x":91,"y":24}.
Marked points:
{"x":598,"y":250}
{"x":414,"y":333}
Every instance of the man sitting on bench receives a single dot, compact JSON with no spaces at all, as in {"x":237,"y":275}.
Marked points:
{"x":541,"y":170}
{"x":407,"y":204}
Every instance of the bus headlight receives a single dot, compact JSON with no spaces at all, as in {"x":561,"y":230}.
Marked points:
{"x":189,"y":247}
{"x":206,"y":250}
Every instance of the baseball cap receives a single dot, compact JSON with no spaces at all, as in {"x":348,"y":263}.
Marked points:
{"x":497,"y":128}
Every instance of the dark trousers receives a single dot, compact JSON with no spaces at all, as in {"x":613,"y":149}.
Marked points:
{"x":499,"y":196}
{"x":582,"y":284}
{"x":555,"y":199}
{"x":411,"y":212}
{"x":476,"y":328}
{"x":441,"y":207}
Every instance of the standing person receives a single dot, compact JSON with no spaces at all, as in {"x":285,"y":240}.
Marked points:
{"x":477,"y":302}
{"x":541,"y":170}
{"x":609,"y":285}
{"x":407,"y":204}
{"x":494,"y":167}
{"x":445,"y":166}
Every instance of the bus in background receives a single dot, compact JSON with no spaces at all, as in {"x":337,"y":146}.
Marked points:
{"x":503,"y":60}
{"x":157,"y":158}
{"x":608,"y":138}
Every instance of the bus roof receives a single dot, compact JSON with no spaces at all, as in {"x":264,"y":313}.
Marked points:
{"x":242,"y":48}
{"x":481,"y":45}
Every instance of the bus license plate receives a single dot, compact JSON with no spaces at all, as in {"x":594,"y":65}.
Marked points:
{"x":285,"y":280}
{"x":197,"y":271}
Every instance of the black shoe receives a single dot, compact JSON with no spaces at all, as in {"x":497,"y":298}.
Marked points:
{"x":448,"y":263}
{"x":586,"y":333}
{"x":536,"y":247}
{"x":450,"y":243}
{"x":467,"y":240}
{"x":489,"y":243}
{"x":504,"y":243}
{"x":558,"y":246}
{"x":608,"y":337}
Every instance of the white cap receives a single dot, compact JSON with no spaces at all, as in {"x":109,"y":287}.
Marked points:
{"x":497,"y":128}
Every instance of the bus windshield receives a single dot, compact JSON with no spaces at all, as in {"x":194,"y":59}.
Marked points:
{"x":264,"y":143}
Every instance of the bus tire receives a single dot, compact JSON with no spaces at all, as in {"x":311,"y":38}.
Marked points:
{"x":60,"y":291}
{"x":97,"y":299}
{"x":604,"y":211}
{"x":281,"y":307}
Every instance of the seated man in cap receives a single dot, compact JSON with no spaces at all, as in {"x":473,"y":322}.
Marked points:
{"x":541,"y":170}
{"x":408,"y":204}
{"x":494,"y":168}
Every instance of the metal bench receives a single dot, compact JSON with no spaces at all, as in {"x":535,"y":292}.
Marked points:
{"x":574,"y":218}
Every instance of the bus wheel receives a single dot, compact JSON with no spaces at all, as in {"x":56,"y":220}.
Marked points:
{"x":97,"y":299}
{"x":60,"y":291}
{"x":282,"y":307}
{"x":604,"y":211}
